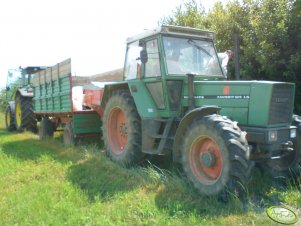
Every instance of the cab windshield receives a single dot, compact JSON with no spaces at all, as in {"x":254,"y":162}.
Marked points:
{"x":194,"y":56}
{"x":14,"y":77}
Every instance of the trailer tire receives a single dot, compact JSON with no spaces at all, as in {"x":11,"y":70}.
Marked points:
{"x":68,"y":135}
{"x":215,"y":156}
{"x":10,"y":118}
{"x":24,"y":115}
{"x":288,"y":166}
{"x":46,"y":129}
{"x":122,"y":129}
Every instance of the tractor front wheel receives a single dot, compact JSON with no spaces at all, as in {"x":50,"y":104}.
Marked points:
{"x":215,"y":156}
{"x":10,"y":118}
{"x":122,"y":129}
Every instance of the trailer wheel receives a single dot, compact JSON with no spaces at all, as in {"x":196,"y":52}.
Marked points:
{"x":122,"y":129}
{"x":215,"y":156}
{"x":46,"y":129}
{"x":10,"y":119}
{"x":68,"y":135}
{"x":288,"y":166}
{"x":24,"y":115}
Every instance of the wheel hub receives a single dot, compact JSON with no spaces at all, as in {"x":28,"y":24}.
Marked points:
{"x":123,"y":130}
{"x":208,"y":159}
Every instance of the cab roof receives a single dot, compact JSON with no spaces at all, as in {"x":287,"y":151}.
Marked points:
{"x":174,"y":30}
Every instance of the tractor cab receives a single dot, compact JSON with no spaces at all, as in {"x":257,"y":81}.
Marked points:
{"x":168,"y":52}
{"x":19,"y":93}
{"x":21,"y":77}
{"x":163,"y":59}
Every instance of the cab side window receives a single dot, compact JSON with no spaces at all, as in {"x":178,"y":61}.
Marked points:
{"x":132,"y":63}
{"x":152,"y":67}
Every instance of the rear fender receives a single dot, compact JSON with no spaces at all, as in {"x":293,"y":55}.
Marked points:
{"x":186,"y":121}
{"x":109,"y":89}
{"x":145,"y":105}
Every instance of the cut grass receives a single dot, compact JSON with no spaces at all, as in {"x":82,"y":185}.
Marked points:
{"x":45,"y":183}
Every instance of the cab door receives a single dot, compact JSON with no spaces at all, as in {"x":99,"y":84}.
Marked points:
{"x":152,"y":75}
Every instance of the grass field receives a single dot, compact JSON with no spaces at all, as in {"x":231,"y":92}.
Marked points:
{"x":45,"y":183}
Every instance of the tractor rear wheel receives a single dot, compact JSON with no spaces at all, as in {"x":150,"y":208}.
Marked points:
{"x":215,"y":156}
{"x":46,"y":129}
{"x":122,"y":129}
{"x":10,"y":118}
{"x":24,"y":115}
{"x":288,"y":166}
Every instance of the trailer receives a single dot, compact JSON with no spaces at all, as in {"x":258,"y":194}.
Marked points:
{"x":57,"y":104}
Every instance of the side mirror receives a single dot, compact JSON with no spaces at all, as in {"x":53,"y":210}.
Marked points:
{"x":143,"y":56}
{"x":7,"y":88}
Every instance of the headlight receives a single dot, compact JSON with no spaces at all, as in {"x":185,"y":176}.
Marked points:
{"x":273,"y":135}
{"x":293,"y":133}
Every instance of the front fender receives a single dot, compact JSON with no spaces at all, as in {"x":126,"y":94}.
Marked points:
{"x":25,"y":93}
{"x":186,"y":121}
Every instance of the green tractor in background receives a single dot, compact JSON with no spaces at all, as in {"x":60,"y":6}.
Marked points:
{"x":19,"y":113}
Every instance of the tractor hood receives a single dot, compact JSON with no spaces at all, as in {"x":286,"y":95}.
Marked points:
{"x":251,"y":103}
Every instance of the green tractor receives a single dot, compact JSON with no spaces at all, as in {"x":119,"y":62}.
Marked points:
{"x":175,"y":100}
{"x":19,"y":113}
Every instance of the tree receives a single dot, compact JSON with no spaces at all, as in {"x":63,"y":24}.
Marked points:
{"x":190,"y":14}
{"x":269,"y":33}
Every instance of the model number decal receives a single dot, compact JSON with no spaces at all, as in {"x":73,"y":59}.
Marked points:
{"x":235,"y":97}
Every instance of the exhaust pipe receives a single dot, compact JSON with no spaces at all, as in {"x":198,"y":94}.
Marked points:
{"x":190,"y":78}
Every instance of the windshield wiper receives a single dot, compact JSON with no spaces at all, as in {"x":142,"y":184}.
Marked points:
{"x":193,"y":43}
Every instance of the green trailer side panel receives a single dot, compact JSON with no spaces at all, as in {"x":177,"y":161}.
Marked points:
{"x":86,"y":122}
{"x":52,"y":89}
{"x":49,"y":99}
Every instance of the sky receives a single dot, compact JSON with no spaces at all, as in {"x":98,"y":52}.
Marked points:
{"x":92,"y":32}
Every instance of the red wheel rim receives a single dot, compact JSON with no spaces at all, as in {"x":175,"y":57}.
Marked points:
{"x":206,"y":160}
{"x":117,"y":130}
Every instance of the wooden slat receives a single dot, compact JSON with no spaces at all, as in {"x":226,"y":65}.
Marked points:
{"x":48,"y":75}
{"x":65,"y":68}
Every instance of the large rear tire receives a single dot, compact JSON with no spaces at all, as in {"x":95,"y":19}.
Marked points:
{"x":288,"y":166}
{"x":215,"y":156}
{"x":24,"y":115}
{"x":10,"y":118}
{"x":122,"y":129}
